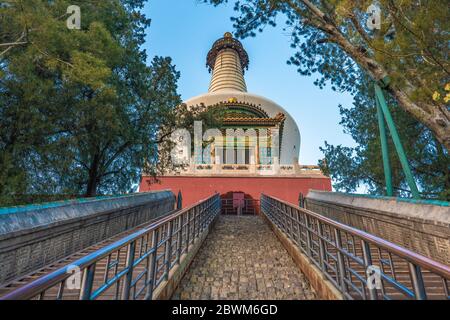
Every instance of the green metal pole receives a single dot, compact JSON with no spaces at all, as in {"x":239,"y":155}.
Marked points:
{"x":385,"y":151}
{"x":397,"y":142}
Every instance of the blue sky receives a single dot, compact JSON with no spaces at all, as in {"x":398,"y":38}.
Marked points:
{"x":186,"y":29}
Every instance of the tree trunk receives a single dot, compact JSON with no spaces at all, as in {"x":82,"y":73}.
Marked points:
{"x":91,"y":188}
{"x":437,"y":119}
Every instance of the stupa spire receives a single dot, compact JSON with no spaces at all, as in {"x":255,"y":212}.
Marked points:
{"x":228,"y":61}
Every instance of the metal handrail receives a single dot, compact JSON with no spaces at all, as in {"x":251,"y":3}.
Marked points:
{"x":344,"y":255}
{"x":155,"y":249}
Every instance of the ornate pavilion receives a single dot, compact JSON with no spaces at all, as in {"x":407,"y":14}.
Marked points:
{"x":262,"y":154}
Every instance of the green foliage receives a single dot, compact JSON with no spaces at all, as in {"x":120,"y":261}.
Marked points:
{"x":331,"y":41}
{"x":363,"y":165}
{"x":79,"y":109}
{"x":412,"y":45}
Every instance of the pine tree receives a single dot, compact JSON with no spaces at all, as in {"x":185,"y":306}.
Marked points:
{"x":79,"y":109}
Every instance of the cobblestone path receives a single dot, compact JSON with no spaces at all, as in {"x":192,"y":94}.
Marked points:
{"x":242,"y":259}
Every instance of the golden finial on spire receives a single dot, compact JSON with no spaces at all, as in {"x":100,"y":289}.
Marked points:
{"x":228,"y":35}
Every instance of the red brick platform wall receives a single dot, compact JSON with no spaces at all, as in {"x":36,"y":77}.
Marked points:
{"x":197,"y":188}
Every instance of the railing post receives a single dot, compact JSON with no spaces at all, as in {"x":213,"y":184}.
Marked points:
{"x":194,"y":227}
{"x":284,"y":216}
{"x":217,"y":207}
{"x":211,"y":213}
{"x":273,"y":209}
{"x":417,"y":281}
{"x":87,"y":282}
{"x":367,"y":256}
{"x":130,"y":267}
{"x":261,"y":204}
{"x":179,"y":201}
{"x":291,"y":229}
{"x":180,"y":239}
{"x":168,"y":253}
{"x":61,"y":290}
{"x":188,"y":230}
{"x":152,"y":267}
{"x":196,"y":224}
{"x":200,"y":219}
{"x":321,"y":244}
{"x":340,"y":260}
{"x":281,"y":215}
{"x":275,"y":213}
{"x":299,"y":229}
{"x":444,"y":284}
{"x":308,"y":237}
{"x":301,"y":200}
{"x":203,"y":216}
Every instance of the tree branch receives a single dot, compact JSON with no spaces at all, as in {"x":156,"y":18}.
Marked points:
{"x":13,"y":44}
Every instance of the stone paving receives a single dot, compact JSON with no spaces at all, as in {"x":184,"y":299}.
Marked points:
{"x":242,"y":259}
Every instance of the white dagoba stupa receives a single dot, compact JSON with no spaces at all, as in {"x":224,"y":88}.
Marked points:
{"x":228,"y":61}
